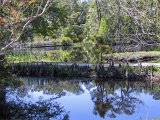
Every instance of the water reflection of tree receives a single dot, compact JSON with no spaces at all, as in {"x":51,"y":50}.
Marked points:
{"x":42,"y":110}
{"x":13,"y":106}
{"x":148,"y":88}
{"x":155,"y":91}
{"x":54,"y":86}
{"x":111,"y":103}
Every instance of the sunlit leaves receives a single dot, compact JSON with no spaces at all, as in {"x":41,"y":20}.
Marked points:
{"x":104,"y":28}
{"x":31,"y":1}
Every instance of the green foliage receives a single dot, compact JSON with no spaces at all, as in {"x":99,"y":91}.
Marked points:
{"x":99,"y":40}
{"x":119,"y":21}
{"x":25,"y":19}
{"x":78,"y":30}
{"x":100,"y":50}
{"x":105,"y":49}
{"x":28,"y":35}
{"x":65,"y":56}
{"x":74,"y":32}
{"x":40,"y":26}
{"x":68,"y":31}
{"x":66,"y":41}
{"x":4,"y":34}
{"x":48,"y":24}
{"x":73,"y":22}
{"x":104,"y":28}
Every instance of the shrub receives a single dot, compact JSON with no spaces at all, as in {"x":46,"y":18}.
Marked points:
{"x":66,"y":41}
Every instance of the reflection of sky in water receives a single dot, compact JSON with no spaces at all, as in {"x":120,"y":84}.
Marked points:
{"x":32,"y":97}
{"x":81,"y":106}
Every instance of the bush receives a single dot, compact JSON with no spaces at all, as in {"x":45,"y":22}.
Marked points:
{"x":98,"y":40}
{"x":66,"y":41}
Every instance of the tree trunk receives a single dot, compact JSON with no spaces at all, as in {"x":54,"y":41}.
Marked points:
{"x":98,"y":11}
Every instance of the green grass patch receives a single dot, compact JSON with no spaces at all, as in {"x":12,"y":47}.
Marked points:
{"x":136,"y":55}
{"x":67,"y":55}
{"x":27,"y":57}
{"x":49,"y":56}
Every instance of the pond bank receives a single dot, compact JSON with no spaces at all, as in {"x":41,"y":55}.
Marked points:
{"x":142,"y":56}
{"x":128,"y":71}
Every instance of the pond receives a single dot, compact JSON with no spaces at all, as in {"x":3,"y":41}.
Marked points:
{"x":80,"y":99}
{"x":77,"y":98}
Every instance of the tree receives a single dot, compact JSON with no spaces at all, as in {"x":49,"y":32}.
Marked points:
{"x":104,"y":28}
{"x":74,"y":28}
{"x":130,"y":21}
{"x":16,"y":18}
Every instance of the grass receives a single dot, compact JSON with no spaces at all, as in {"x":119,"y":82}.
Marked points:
{"x":61,"y":56}
{"x":47,"y":56}
{"x":133,"y":55}
{"x":27,"y":57}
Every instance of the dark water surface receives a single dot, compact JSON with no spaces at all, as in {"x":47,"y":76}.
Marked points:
{"x":79,"y":99}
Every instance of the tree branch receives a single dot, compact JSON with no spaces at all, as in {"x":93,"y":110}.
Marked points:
{"x":48,"y":4}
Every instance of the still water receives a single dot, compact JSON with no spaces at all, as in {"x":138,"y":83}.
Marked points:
{"x":79,"y":54}
{"x":79,"y":99}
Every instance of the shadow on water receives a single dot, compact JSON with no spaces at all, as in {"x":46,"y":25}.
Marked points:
{"x":15,"y":104}
{"x":43,"y":98}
